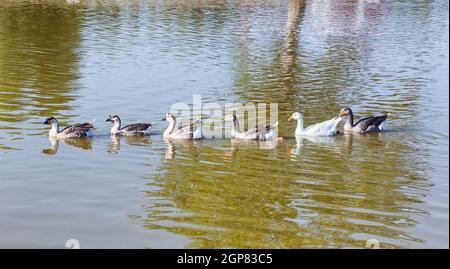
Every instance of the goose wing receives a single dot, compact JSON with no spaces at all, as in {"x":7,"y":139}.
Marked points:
{"x":329,"y":127}
{"x":263,"y":132}
{"x":323,"y":128}
{"x":380,"y":119}
{"x":77,"y":128}
{"x":259,"y":130}
{"x":365,"y":123}
{"x":136,"y":127}
{"x":312,"y":128}
{"x":188,"y":129}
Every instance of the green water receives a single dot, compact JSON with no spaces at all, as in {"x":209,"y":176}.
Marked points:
{"x":84,"y":61}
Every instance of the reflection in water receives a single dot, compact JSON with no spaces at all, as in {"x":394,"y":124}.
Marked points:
{"x":254,"y":198}
{"x":137,"y":141}
{"x":341,"y":143}
{"x":237,"y":144}
{"x":174,"y":144}
{"x":277,"y":80}
{"x":84,"y":143}
{"x":38,"y":61}
{"x":317,"y":140}
{"x":288,"y":56}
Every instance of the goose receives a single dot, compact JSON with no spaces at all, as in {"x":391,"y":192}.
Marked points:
{"x":364,"y":125}
{"x":190,"y":131}
{"x":263,"y":133}
{"x":73,"y":131}
{"x":326,"y":128}
{"x":129,"y":130}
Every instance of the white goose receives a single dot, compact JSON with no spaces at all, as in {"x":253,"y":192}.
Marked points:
{"x":326,"y":128}
{"x":190,"y":131}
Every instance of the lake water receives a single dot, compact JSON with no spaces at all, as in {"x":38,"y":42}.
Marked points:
{"x":83,"y":61}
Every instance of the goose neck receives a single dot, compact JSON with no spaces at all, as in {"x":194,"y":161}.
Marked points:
{"x":116,"y":127}
{"x":235,"y":127}
{"x":55,"y":128}
{"x":350,"y":118}
{"x":170,"y":128}
{"x":299,"y":128}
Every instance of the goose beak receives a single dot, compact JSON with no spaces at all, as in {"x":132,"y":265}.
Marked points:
{"x":107,"y":120}
{"x":341,"y":114}
{"x":163,"y":119}
{"x":291,"y":118}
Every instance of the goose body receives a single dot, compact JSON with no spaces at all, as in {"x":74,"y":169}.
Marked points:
{"x":190,"y":131}
{"x":263,"y":133}
{"x":129,"y":130}
{"x":363,"y":125}
{"x":73,"y":131}
{"x":326,"y":128}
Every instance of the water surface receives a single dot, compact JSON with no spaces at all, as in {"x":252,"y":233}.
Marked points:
{"x":83,"y":61}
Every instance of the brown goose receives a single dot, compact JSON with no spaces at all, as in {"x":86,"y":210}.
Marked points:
{"x":72,"y":131}
{"x":364,"y":125}
{"x":129,"y":130}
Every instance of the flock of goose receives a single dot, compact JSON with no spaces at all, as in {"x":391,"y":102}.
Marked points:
{"x":194,"y":129}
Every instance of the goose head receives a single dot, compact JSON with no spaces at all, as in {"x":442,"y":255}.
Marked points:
{"x":345,"y":112}
{"x":50,"y":120}
{"x":169,"y":117}
{"x":295,"y":116}
{"x":113,"y":119}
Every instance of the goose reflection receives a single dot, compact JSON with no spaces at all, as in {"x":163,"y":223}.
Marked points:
{"x":278,"y":78}
{"x":327,"y":141}
{"x":374,"y":141}
{"x":84,"y":143}
{"x":138,"y":141}
{"x":223,"y":193}
{"x":236,"y":144}
{"x":37,"y":83}
{"x":190,"y":146}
